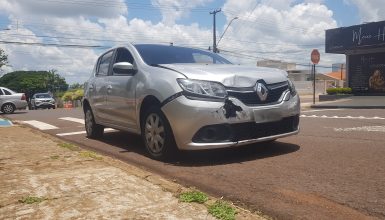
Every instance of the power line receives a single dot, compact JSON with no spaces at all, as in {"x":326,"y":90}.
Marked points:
{"x":55,"y":45}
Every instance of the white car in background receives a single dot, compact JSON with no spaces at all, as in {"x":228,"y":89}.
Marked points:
{"x":10,"y":100}
{"x":42,"y":100}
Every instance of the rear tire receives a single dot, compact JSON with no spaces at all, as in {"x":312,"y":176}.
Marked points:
{"x":93,"y":130}
{"x":8,"y":108}
{"x":157,"y":135}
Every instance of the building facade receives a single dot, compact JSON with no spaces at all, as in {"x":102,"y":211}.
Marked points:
{"x":364,"y":47}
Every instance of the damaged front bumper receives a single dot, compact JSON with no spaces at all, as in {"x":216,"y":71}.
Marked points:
{"x":199,"y":125}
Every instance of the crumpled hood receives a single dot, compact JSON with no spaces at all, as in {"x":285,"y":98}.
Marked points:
{"x":228,"y":74}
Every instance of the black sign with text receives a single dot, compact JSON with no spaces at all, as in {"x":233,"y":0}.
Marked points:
{"x":367,"y":73}
{"x":365,"y":36}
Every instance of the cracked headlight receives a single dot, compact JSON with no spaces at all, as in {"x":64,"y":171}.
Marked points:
{"x":293,"y":92}
{"x":202,"y":89}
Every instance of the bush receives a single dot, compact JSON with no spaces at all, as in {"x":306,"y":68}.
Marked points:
{"x":71,"y":95}
{"x":67,"y":96}
{"x":338,"y":91}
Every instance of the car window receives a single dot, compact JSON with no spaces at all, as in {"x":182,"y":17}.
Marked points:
{"x":105,"y":64}
{"x":7,"y":92}
{"x":202,"y":58}
{"x":1,"y":92}
{"x":123,"y":55}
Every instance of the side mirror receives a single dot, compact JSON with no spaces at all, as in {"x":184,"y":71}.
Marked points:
{"x":123,"y":68}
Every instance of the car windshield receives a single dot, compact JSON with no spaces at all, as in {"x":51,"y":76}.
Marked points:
{"x":162,"y":54}
{"x":40,"y":96}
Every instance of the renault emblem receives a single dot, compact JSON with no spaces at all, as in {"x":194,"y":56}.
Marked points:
{"x":262,"y":91}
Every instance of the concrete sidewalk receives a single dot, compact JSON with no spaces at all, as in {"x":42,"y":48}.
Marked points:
{"x":354,"y":102}
{"x":43,"y":178}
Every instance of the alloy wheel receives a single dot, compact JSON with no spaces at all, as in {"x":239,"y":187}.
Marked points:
{"x":8,"y":108}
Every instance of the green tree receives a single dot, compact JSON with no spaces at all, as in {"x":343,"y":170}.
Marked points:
{"x":76,"y":86}
{"x":31,"y":82}
{"x":3,"y":58}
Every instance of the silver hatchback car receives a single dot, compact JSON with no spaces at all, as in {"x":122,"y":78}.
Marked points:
{"x":187,"y":99}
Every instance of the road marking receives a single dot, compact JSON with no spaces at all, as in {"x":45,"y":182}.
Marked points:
{"x":343,"y":117}
{"x":321,"y":110}
{"x":40,"y":125}
{"x":5,"y":123}
{"x":71,"y":133}
{"x":364,"y":128}
{"x":82,"y":132}
{"x":78,"y":120}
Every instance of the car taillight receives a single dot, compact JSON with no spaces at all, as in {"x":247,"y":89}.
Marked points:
{"x":23,"y":97}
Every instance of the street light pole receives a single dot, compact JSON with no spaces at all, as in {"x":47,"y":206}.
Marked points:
{"x":226,"y":29}
{"x":214,"y":30}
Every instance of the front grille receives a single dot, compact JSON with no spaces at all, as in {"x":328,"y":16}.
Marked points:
{"x":249,"y":96}
{"x":252,"y":130}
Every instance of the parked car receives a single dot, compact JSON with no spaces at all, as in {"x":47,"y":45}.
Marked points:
{"x":42,"y":100}
{"x":10,"y":100}
{"x":187,"y":99}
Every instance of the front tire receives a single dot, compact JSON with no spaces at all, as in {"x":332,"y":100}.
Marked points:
{"x":93,"y":130}
{"x":157,"y":135}
{"x":8,"y":108}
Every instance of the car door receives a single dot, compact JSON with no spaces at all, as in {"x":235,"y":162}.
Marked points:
{"x":2,"y":98}
{"x":121,"y":93}
{"x":98,"y":87}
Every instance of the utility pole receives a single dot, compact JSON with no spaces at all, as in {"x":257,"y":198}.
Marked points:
{"x":215,"y":50}
{"x":342,"y":67}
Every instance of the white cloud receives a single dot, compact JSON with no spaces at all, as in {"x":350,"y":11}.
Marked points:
{"x":173,"y":10}
{"x":277,"y":29}
{"x":289,"y":31}
{"x":97,"y":8}
{"x":373,"y":10}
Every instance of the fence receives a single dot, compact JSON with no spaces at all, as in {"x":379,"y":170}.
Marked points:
{"x":68,"y":104}
{"x":306,"y":87}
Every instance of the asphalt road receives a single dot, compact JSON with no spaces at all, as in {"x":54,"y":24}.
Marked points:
{"x":334,"y":169}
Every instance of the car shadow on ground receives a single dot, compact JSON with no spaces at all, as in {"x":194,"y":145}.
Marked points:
{"x":133,"y":143}
{"x":14,"y":113}
{"x":234,"y":155}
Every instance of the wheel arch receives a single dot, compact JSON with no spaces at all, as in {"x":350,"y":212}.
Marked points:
{"x":86,"y":104}
{"x":147,"y":102}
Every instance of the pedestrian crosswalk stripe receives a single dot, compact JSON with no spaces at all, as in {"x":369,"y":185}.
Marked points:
{"x":81,"y":132}
{"x":40,"y":125}
{"x":364,"y":128}
{"x":78,"y":120}
{"x":71,"y":133}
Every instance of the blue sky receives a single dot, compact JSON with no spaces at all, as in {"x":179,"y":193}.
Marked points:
{"x":284,"y":30}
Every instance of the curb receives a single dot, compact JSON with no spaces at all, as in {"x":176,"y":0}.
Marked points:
{"x":347,"y":106}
